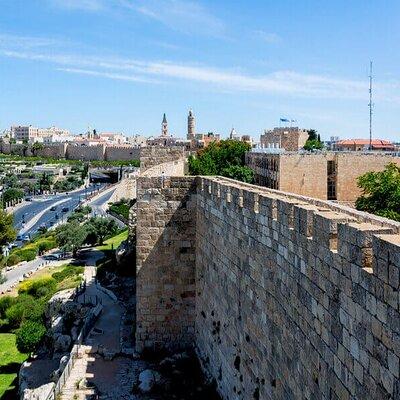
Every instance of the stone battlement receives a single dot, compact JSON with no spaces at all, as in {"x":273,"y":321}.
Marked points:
{"x":283,"y":296}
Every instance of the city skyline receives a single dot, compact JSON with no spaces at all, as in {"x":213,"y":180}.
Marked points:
{"x":119,"y":65}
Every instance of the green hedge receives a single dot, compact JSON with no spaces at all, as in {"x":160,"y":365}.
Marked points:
{"x":29,"y":252}
{"x":67,"y":272}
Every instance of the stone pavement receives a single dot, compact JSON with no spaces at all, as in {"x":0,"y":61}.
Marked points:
{"x":103,"y":341}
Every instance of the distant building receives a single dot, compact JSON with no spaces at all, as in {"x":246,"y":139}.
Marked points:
{"x":247,"y":139}
{"x":113,"y":138}
{"x":164,"y":127}
{"x":164,"y":139}
{"x":137,"y":140}
{"x":363,"y":145}
{"x":191,"y":133}
{"x":32,"y":134}
{"x":234,"y":135}
{"x":289,"y":138}
{"x":327,"y":176}
{"x":204,"y":139}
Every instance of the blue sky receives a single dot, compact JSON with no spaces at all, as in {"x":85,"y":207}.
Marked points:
{"x":117,"y":65}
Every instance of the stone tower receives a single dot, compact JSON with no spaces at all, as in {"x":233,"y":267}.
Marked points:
{"x":164,"y":126}
{"x":191,"y":126}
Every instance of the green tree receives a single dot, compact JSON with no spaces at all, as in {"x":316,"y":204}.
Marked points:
{"x":29,"y":336}
{"x":85,"y":171}
{"x":7,"y":231}
{"x":36,"y":147}
{"x":71,"y":236}
{"x":45,"y":181}
{"x":218,"y":158}
{"x":12,"y":194}
{"x":314,"y":141}
{"x":381,"y":192}
{"x":100,"y":228}
{"x":244,"y":174}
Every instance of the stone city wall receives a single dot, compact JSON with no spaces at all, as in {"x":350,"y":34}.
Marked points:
{"x":295,"y":298}
{"x":165,"y":266}
{"x":121,"y":153}
{"x":74,"y":152}
{"x":154,"y":156}
{"x":56,"y":150}
{"x":86,"y":153}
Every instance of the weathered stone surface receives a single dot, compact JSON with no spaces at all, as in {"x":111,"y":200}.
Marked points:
{"x":283,"y":297}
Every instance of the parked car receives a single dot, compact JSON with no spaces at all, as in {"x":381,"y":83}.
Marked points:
{"x":19,"y":238}
{"x":29,"y":198}
{"x":52,"y":257}
{"x":26,"y":238}
{"x":65,"y":209}
{"x":54,"y":208}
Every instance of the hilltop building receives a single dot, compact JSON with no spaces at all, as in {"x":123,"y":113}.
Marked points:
{"x":327,"y":176}
{"x":288,"y":138}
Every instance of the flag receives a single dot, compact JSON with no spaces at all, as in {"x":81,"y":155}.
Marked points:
{"x":284,"y":120}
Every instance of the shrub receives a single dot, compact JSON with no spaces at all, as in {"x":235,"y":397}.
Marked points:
{"x":29,"y":336}
{"x":67,"y":272}
{"x":46,"y":244}
{"x":5,"y":303}
{"x":15,"y":315}
{"x":27,"y":254}
{"x":13,"y":259}
{"x":38,"y":287}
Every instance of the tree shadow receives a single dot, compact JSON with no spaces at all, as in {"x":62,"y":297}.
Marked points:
{"x":12,"y":392}
{"x":10,"y":368}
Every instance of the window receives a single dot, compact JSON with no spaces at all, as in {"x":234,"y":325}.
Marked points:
{"x":331,"y":180}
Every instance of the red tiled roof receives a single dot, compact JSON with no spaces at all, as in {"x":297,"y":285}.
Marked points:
{"x":365,"y":142}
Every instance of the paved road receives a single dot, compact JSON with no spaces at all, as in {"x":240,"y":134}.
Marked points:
{"x":40,"y":214}
{"x":30,"y":217}
{"x":16,"y":274}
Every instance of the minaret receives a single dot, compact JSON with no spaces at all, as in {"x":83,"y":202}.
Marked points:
{"x":164,"y":126}
{"x":191,"y":126}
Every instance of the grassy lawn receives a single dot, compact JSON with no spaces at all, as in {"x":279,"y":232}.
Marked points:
{"x":114,"y":242}
{"x":10,"y":361}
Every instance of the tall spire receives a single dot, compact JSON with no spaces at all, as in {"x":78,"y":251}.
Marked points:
{"x":164,"y":126}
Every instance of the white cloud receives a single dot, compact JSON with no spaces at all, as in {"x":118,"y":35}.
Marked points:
{"x":119,"y":77}
{"x":86,"y":5}
{"x":284,"y":83}
{"x":13,"y":41}
{"x":181,"y":15}
{"x":267,"y":37}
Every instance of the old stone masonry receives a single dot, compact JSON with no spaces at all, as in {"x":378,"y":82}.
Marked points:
{"x":282,"y":296}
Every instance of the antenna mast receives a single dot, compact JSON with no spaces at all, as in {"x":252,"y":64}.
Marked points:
{"x":370,"y":105}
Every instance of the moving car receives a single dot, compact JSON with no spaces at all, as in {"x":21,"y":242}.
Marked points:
{"x":54,"y":208}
